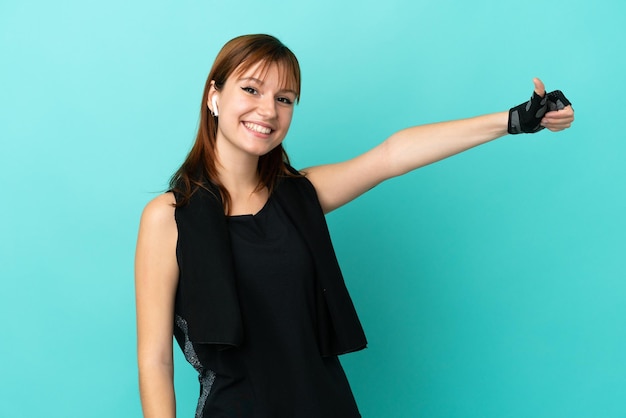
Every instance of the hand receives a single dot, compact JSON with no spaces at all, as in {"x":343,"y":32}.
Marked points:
{"x":551,"y":110}
{"x":554,"y":120}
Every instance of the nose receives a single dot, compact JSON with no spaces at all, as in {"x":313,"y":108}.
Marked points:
{"x":267,"y":107}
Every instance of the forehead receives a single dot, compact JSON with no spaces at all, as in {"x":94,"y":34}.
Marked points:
{"x":270,"y":72}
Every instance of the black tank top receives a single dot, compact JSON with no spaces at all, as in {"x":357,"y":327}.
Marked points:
{"x":278,"y":370}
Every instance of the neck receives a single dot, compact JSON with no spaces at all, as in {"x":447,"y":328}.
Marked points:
{"x":239,"y":180}
{"x":242,"y":183}
{"x":237,"y":171}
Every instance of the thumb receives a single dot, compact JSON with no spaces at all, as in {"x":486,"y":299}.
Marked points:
{"x":540,"y":89}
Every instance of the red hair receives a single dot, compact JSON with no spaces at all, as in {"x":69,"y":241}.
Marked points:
{"x":238,"y":55}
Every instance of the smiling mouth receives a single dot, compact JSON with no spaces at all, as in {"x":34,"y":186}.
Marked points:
{"x":258,"y":128}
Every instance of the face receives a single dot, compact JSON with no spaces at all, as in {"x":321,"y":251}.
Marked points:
{"x":255,"y":110}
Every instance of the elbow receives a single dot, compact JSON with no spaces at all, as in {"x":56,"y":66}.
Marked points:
{"x":155,"y":375}
{"x":154,"y":365}
{"x":148,"y":364}
{"x":392,"y":161}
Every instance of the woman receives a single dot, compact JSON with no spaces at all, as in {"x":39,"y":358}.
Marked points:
{"x":236,"y":260}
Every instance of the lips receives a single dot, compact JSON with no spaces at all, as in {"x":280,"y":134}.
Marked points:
{"x":258,"y":128}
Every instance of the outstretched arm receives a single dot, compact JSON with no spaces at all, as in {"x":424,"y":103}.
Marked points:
{"x":415,"y":147}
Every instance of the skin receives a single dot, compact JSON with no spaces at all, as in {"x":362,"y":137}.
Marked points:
{"x":248,"y":103}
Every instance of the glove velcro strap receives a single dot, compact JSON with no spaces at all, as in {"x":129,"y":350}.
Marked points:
{"x":526,"y":118}
{"x":557,"y":100}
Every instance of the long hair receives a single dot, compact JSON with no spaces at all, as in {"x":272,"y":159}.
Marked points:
{"x":239,"y":54}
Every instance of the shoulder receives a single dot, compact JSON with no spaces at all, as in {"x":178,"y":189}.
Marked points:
{"x":159,"y":212}
{"x":158,"y":234}
{"x":298,"y":180}
{"x":160,"y":207}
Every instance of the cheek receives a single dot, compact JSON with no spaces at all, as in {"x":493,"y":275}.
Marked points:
{"x":286,"y":118}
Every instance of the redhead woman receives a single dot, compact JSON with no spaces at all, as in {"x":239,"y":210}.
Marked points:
{"x":235,"y":260}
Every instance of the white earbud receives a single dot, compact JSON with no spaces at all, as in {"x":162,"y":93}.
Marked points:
{"x":214,"y":102}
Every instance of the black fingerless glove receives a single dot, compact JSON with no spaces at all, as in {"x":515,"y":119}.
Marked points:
{"x":557,"y":100}
{"x":526,"y":118}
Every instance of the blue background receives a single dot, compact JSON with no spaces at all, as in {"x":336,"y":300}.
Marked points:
{"x":490,"y":284}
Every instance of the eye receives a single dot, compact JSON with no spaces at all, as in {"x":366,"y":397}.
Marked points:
{"x":250,"y":90}
{"x":285,"y":100}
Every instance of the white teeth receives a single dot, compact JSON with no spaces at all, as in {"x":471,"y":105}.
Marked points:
{"x":257,"y":128}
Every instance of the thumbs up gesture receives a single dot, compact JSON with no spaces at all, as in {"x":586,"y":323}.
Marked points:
{"x":552,"y":111}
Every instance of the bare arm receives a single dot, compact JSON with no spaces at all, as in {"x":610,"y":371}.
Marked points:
{"x":156,"y":275}
{"x":412,"y":148}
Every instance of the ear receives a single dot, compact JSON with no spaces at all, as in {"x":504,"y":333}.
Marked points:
{"x":211,"y":101}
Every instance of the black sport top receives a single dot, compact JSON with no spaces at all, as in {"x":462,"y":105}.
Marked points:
{"x":278,"y":370}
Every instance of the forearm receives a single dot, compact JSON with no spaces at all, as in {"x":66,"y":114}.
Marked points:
{"x":156,"y":385}
{"x":418,"y":146}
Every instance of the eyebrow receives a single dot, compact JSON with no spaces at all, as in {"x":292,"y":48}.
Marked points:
{"x":260,"y":82}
